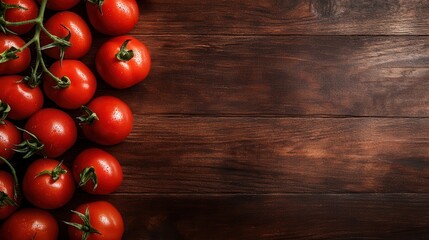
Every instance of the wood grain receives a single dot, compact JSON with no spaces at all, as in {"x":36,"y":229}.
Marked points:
{"x":310,"y":216}
{"x":291,"y":17}
{"x":289,"y":76}
{"x":292,"y":119}
{"x":274,"y":155}
{"x":270,"y":119}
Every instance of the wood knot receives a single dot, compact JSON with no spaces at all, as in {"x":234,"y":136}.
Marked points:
{"x":324,"y":8}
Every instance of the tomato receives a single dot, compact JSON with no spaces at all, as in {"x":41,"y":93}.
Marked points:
{"x":116,"y":17}
{"x":20,"y":61}
{"x":109,"y":120}
{"x":105,"y":221}
{"x":97,"y":171}
{"x":30,"y":224}
{"x":23,"y":100}
{"x":123,"y":61}
{"x":82,"y":84}
{"x":9,"y":137}
{"x":28,"y":11}
{"x":59,"y":5}
{"x":55,"y":131}
{"x":59,"y":25}
{"x":48,"y":184}
{"x":8,"y":203}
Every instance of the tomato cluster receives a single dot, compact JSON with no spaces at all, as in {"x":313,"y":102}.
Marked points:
{"x":37,"y":100}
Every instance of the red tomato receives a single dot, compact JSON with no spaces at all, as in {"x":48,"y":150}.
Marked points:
{"x":110,"y":120}
{"x":59,"y":5}
{"x":23,"y":100}
{"x":9,"y":137}
{"x":28,"y":11}
{"x":97,"y":171}
{"x":48,"y":184}
{"x":116,"y":17}
{"x":18,"y":64}
{"x":104,"y":219}
{"x":8,"y":204}
{"x":82,"y":84}
{"x":123,"y":62}
{"x":30,"y":224}
{"x":55,"y":129}
{"x":80,"y":39}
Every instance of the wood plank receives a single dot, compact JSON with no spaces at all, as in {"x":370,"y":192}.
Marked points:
{"x":268,"y":17}
{"x":300,"y":216}
{"x":293,"y":75}
{"x":299,"y":119}
{"x":274,"y":155}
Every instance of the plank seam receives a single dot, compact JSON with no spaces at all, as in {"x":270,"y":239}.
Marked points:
{"x":286,"y":116}
{"x":272,"y":194}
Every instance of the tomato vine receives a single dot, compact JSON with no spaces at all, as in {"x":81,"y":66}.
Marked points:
{"x":122,"y":61}
{"x":34,"y":77}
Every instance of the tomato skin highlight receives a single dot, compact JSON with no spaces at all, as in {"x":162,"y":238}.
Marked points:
{"x":81,"y":37}
{"x":118,"y":17}
{"x":54,"y":128}
{"x":30,"y":224}
{"x":23,"y":100}
{"x":7,"y":184}
{"x":9,"y":137}
{"x":82,"y":87}
{"x":104,"y":217}
{"x":123,"y":74}
{"x":29,"y":12}
{"x":42,"y":190}
{"x":106,"y":167}
{"x":19,"y":64}
{"x":114,"y":124}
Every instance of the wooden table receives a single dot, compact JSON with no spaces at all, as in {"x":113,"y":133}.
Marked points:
{"x":277,"y":119}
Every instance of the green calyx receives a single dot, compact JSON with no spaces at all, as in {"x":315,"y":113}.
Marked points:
{"x":55,"y":173}
{"x":99,"y":3}
{"x":63,"y":83}
{"x":86,"y":227}
{"x":124,"y":54}
{"x":4,"y":111}
{"x":9,"y":54}
{"x":86,"y":175}
{"x":5,"y":200}
{"x":30,"y":146}
{"x":33,"y":79}
{"x":89,"y":116}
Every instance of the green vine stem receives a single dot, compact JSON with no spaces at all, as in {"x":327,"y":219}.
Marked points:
{"x":4,"y":111}
{"x":34,"y":78}
{"x":30,"y":146}
{"x":15,"y":177}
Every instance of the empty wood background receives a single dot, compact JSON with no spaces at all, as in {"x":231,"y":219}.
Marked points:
{"x":277,"y":119}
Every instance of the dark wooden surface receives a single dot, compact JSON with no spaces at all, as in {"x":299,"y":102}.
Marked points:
{"x":277,"y":119}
